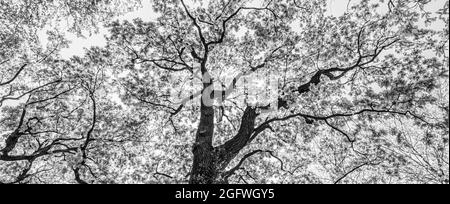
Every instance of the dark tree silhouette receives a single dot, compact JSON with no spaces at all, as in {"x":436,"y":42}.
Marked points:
{"x":360,"y":98}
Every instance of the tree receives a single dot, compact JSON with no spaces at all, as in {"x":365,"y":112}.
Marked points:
{"x":43,"y":99}
{"x":360,"y":98}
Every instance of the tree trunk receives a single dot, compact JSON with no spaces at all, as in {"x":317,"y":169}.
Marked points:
{"x":210,"y":163}
{"x":203,"y":168}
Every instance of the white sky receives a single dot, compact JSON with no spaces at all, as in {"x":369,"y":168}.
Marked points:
{"x":78,"y":45}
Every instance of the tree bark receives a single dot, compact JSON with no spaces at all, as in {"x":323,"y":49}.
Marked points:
{"x":210,"y":162}
{"x":203,"y":167}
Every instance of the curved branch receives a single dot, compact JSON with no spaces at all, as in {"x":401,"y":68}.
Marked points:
{"x":194,"y":20}
{"x":78,"y":178}
{"x":353,"y":170}
{"x":15,"y":76}
{"x":229,"y":173}
{"x":341,"y":131}
{"x":266,"y":124}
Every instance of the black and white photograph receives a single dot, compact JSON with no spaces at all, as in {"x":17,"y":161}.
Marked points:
{"x":224,"y":92}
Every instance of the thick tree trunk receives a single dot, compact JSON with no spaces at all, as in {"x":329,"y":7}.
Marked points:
{"x":203,"y":167}
{"x":206,"y":167}
{"x":210,"y":163}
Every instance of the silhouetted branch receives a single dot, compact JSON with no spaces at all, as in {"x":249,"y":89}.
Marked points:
{"x":15,"y":75}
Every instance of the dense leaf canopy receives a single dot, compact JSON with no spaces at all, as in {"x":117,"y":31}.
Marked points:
{"x":226,"y":91}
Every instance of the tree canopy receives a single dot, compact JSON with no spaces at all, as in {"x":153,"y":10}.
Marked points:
{"x":226,"y":91}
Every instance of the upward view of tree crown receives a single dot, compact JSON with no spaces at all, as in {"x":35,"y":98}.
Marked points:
{"x":226,"y":91}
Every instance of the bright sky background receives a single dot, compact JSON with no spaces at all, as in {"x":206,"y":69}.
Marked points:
{"x":78,"y":45}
